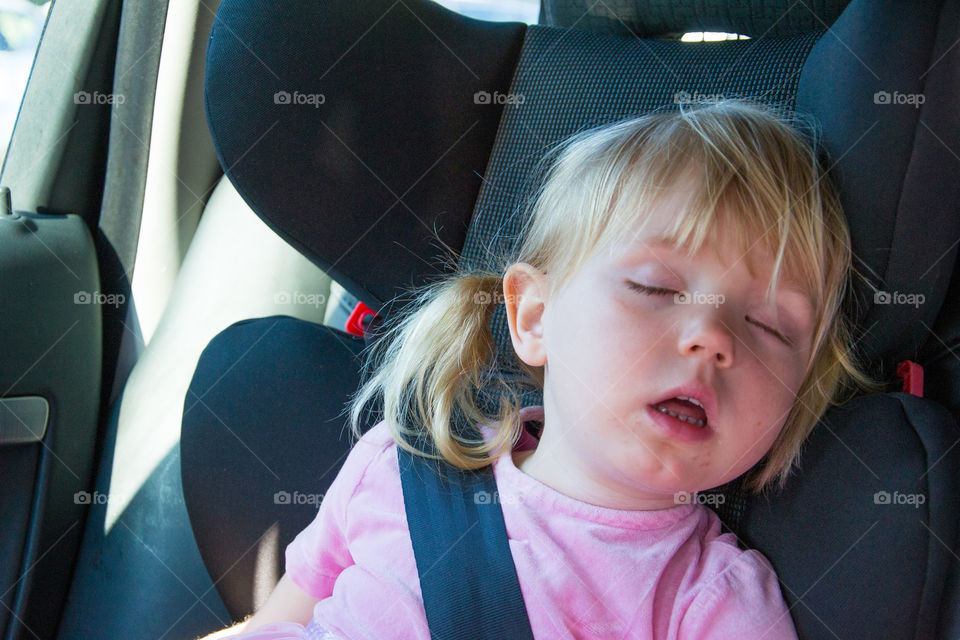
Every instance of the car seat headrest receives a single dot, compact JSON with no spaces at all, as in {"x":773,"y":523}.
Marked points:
{"x":358,"y":147}
{"x":659,"y":18}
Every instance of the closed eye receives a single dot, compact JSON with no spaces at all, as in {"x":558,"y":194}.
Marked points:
{"x":656,"y":291}
{"x":660,"y":291}
{"x":782,"y":338}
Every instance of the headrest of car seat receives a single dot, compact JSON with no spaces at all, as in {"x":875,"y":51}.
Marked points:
{"x":658,"y":18}
{"x":342,"y":149}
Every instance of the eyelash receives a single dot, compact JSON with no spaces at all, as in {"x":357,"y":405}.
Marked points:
{"x":660,"y":291}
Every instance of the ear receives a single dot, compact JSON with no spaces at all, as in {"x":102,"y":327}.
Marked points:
{"x":525,"y":295}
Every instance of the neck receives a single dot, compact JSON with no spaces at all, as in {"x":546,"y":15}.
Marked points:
{"x":571,"y":484}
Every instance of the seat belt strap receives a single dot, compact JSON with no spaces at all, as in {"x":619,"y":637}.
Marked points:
{"x":467,"y":576}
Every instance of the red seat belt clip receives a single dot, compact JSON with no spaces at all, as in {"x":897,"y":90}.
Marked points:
{"x":355,"y":323}
{"x":912,"y":375}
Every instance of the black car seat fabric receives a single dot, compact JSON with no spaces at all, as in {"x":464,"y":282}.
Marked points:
{"x":861,"y":543}
{"x":255,"y":461}
{"x":384,"y":122}
{"x":302,"y":166}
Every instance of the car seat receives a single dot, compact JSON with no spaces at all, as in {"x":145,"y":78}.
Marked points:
{"x":372,"y":135}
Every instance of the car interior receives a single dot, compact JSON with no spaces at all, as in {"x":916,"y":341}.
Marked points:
{"x":210,"y":207}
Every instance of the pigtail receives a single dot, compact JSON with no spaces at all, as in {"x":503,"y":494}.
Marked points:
{"x":428,"y":367}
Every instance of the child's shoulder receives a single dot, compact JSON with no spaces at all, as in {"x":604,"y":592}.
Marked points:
{"x":377,"y":438}
{"x":369,"y":457}
{"x":723,"y":562}
{"x":372,"y":447}
{"x":732,"y":592}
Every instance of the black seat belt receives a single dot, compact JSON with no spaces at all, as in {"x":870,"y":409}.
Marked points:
{"x":467,"y":576}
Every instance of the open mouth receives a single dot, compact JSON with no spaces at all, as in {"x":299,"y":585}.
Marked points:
{"x":685,"y":409}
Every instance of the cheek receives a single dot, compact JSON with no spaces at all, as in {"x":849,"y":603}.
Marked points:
{"x":780,"y":372}
{"x":771,"y":392}
{"x":630,"y":348}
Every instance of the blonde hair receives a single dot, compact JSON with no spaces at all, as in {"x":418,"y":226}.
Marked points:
{"x":756,"y":176}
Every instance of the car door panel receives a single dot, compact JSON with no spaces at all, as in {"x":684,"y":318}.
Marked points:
{"x":50,"y":349}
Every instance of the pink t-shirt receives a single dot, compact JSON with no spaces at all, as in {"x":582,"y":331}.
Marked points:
{"x":584,"y":571}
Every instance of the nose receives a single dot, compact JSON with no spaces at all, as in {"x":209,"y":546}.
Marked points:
{"x":707,"y":337}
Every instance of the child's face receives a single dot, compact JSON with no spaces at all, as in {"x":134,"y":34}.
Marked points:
{"x":611,"y":353}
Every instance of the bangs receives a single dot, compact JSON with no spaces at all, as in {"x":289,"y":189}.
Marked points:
{"x":722,"y":212}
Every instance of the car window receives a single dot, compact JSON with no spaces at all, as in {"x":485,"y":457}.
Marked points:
{"x":21,"y":23}
{"x":501,"y":10}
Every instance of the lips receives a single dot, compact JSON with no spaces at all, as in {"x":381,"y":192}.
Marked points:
{"x":692,"y":403}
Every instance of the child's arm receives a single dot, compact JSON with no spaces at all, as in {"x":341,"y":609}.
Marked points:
{"x":287,"y":603}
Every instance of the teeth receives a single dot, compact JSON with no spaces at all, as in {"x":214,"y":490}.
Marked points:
{"x":693,"y":400}
{"x":699,"y":423}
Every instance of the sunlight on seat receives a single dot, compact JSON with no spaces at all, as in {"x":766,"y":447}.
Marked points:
{"x":266,"y":573}
{"x":236,"y":268}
